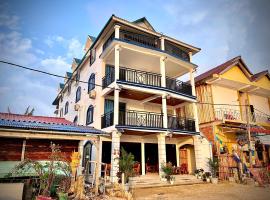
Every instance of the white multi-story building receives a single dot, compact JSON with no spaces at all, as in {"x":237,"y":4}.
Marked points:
{"x":128,"y":84}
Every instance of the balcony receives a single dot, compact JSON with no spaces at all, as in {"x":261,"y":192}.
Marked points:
{"x":148,"y":79}
{"x":237,"y":116}
{"x":148,"y":120}
{"x":150,"y":42}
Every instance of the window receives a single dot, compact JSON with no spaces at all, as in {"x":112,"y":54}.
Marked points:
{"x":89,"y":115}
{"x":92,"y":56}
{"x":78,"y":77}
{"x":69,"y":87}
{"x":61,"y":112}
{"x":75,"y":121}
{"x":66,"y":108}
{"x":78,"y":94}
{"x":91,"y":82}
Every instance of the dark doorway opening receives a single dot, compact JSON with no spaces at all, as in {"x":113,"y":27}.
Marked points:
{"x":151,"y":154}
{"x":134,"y":148}
{"x":106,"y":152}
{"x":171,"y":153}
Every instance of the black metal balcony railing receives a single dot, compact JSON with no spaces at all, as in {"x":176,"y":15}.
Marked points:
{"x":147,"y":78}
{"x":148,"y":41}
{"x":107,"y":119}
{"x":176,"y":51}
{"x":148,"y":120}
{"x":141,"y":77}
{"x":178,"y":86}
{"x":141,"y":119}
{"x":107,"y":80}
{"x":177,"y":123}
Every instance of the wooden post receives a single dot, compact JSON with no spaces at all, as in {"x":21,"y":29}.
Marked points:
{"x":98,"y":163}
{"x":248,"y":132}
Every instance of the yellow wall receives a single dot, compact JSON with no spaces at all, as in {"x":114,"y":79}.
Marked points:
{"x":228,"y":138}
{"x":236,"y":74}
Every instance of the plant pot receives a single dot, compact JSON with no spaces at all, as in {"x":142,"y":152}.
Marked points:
{"x":127,"y":187}
{"x":62,"y":196}
{"x":163,"y":179}
{"x":171,"y":182}
{"x":40,"y":197}
{"x":231,"y":179}
{"x":208,"y":180}
{"x":214,"y":180}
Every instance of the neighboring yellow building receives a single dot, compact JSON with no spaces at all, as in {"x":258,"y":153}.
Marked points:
{"x":222,"y":93}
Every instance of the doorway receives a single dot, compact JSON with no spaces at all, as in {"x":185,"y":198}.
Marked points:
{"x":187,"y":158}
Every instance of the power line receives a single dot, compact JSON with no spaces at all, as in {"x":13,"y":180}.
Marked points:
{"x":74,"y":79}
{"x":50,"y":74}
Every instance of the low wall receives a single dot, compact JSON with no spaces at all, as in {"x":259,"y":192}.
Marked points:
{"x":11,"y":191}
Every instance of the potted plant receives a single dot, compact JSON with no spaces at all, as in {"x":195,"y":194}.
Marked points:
{"x":207,"y":177}
{"x":172,"y":180}
{"x":214,"y":165}
{"x":199,"y":173}
{"x":126,"y":163}
{"x":167,"y":169}
{"x":46,"y":171}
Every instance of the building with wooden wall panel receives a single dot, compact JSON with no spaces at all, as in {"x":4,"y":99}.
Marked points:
{"x":228,"y":96}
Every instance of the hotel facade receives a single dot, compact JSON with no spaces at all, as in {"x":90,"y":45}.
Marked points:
{"x":128,"y":84}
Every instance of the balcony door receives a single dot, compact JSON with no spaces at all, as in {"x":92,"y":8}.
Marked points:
{"x":109,"y":106}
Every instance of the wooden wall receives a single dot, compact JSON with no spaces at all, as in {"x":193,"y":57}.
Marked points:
{"x":205,"y":111}
{"x":10,"y":149}
{"x":35,"y":149}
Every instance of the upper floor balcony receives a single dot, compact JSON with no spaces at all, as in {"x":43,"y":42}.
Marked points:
{"x":241,"y":116}
{"x":134,"y":119}
{"x":148,"y":41}
{"x":147,"y":79}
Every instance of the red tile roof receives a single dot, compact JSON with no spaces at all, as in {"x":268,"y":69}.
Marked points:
{"x":42,"y":119}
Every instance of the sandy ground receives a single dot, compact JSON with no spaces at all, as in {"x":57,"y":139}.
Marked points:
{"x":221,"y":191}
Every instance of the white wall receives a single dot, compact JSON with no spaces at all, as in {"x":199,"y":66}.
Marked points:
{"x":260,"y":103}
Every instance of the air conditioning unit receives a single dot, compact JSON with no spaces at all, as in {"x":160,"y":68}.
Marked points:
{"x":92,"y":94}
{"x":76,"y":107}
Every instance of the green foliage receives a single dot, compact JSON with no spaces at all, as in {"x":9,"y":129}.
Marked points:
{"x":46,"y":171}
{"x":126,"y":163}
{"x":213,"y":165}
{"x":167,"y":168}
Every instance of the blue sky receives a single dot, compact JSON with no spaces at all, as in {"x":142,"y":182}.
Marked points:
{"x":48,"y":34}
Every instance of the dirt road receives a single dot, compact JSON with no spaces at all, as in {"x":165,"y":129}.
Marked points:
{"x":221,"y":191}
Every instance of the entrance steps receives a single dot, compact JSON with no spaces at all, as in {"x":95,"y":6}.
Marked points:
{"x":153,"y":180}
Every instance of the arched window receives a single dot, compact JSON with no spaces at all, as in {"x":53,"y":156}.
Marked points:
{"x":66,"y":107}
{"x":91,"y":82}
{"x":90,"y":115}
{"x":78,"y":94}
{"x":75,"y":121}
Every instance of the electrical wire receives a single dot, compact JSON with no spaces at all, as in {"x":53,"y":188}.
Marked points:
{"x":74,"y":79}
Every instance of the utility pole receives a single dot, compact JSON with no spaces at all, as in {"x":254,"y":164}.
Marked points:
{"x":248,"y":132}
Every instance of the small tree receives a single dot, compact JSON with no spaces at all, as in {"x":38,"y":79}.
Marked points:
{"x":167,"y":168}
{"x":47,"y":172}
{"x":213,"y":165}
{"x":126,"y":163}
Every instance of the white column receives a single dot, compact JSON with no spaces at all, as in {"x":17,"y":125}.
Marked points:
{"x":115,"y":154}
{"x":100,"y":156}
{"x":163,"y":71}
{"x":23,"y":150}
{"x":192,"y":82}
{"x":162,"y":43}
{"x":164,"y":111}
{"x":116,"y":31}
{"x":80,"y":150}
{"x":177,"y":156}
{"x":161,"y":151}
{"x":143,"y":158}
{"x":116,"y":61}
{"x":116,"y":106}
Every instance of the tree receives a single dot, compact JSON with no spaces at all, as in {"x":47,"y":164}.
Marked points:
{"x":26,"y":112}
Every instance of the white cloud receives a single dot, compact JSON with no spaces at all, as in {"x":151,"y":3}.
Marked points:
{"x":56,"y":65}
{"x":16,"y":48}
{"x":75,"y":48}
{"x":9,"y":21}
